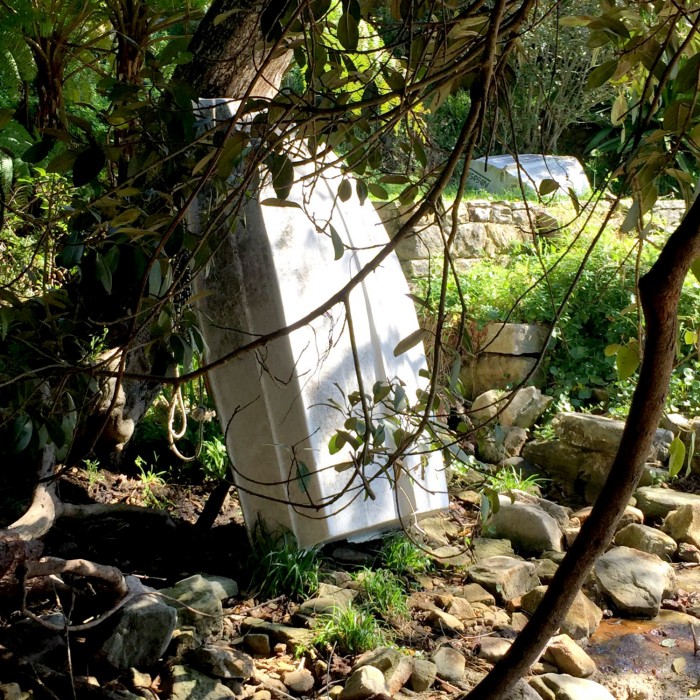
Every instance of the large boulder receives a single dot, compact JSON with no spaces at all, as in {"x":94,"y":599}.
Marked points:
{"x":635,"y":582}
{"x":193,"y":596}
{"x":527,"y":526}
{"x":656,"y":502}
{"x":560,"y":686}
{"x":524,"y":408}
{"x":599,"y":434}
{"x":141,"y":632}
{"x":505,"y":577}
{"x":514,"y":338}
{"x":185,"y":683}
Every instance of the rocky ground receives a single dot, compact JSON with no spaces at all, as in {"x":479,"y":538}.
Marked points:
{"x":194,"y":626}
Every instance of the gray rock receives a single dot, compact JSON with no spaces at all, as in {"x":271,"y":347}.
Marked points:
{"x":514,"y":338}
{"x":187,"y":684}
{"x":647,"y":539}
{"x":363,"y":683}
{"x":291,"y":636}
{"x":560,"y":513}
{"x":688,"y":553}
{"x":598,"y":433}
{"x":141,"y":634}
{"x":221,"y":586}
{"x":475,"y":593}
{"x":299,"y":682}
{"x":200,"y":596}
{"x":11,"y":691}
{"x":495,"y":445}
{"x":563,"y":652}
{"x":566,"y":687}
{"x":323,"y":605}
{"x":258,"y":644}
{"x":423,"y":675}
{"x":223,"y":662}
{"x":492,"y":649}
{"x":449,"y":555}
{"x":450,"y":664}
{"x":443,"y":621}
{"x":525,"y":409}
{"x":505,"y":577}
{"x":635,"y":582}
{"x":529,"y":528}
{"x":656,"y":502}
{"x":485,"y":548}
{"x":581,"y":620}
{"x":396,"y":667}
{"x":683,"y":525}
{"x":485,"y":407}
{"x":490,"y":371}
{"x":546,"y":568}
{"x":522,"y":691}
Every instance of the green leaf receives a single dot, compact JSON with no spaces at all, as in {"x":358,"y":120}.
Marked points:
{"x":282,"y":171}
{"x":410,"y":341}
{"x":600,"y":75}
{"x":103,"y":271}
{"x":627,"y":361}
{"x":22,"y":429}
{"x":377,"y":191}
{"x":275,"y":202}
{"x":303,"y":477}
{"x":362,"y":189}
{"x":547,"y":186}
{"x":695,"y":268}
{"x":348,"y":31}
{"x":345,"y":190}
{"x":632,"y":219}
{"x":5,"y":117}
{"x":676,"y":452}
{"x":39,"y":151}
{"x":338,"y":246}
{"x":88,"y":165}
{"x":231,"y":154}
{"x":62,"y":162}
{"x":687,"y":77}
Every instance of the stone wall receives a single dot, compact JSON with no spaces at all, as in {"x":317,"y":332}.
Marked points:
{"x":492,"y":228}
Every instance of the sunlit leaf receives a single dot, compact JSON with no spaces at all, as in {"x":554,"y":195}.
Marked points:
{"x":547,"y":186}
{"x":627,"y":361}
{"x":410,"y":341}
{"x":676,"y":452}
{"x":345,"y":190}
{"x":338,"y":246}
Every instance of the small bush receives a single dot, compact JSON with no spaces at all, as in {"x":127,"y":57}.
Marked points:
{"x":401,"y":556}
{"x":280,"y":567}
{"x":382,"y":593}
{"x":352,"y":630}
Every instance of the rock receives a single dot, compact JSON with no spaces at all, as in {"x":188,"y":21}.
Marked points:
{"x":137,"y":679}
{"x":187,"y":684}
{"x":525,"y":409}
{"x":182,"y":643}
{"x":514,"y":338}
{"x":141,"y":633}
{"x":560,"y":513}
{"x":546,"y":568}
{"x":486,"y":547}
{"x":688,"y":553}
{"x":475,"y":593}
{"x":439,"y":529}
{"x":491,"y":371}
{"x":656,"y":502}
{"x":491,"y":649}
{"x":485,"y":406}
{"x":461,"y":609}
{"x":200,"y":596}
{"x":258,"y":644}
{"x":363,"y":683}
{"x":505,"y":577}
{"x":449,"y":555}
{"x":566,"y":687}
{"x":223,"y":662}
{"x":423,"y":675}
{"x":563,"y":652}
{"x":630,"y":516}
{"x":325,"y":605}
{"x":528,"y":527}
{"x":443,"y":621}
{"x":522,"y":691}
{"x":683,"y":524}
{"x":450,"y":664}
{"x":299,"y":682}
{"x":290,"y":636}
{"x":262,"y":695}
{"x":647,"y":539}
{"x":634,"y":581}
{"x":221,"y":586}
{"x":396,"y":667}
{"x":580,"y":622}
{"x":518,"y":621}
{"x":495,"y":445}
{"x":597,"y":433}
{"x":11,"y":691}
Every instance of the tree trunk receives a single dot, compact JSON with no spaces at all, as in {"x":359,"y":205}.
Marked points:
{"x":659,"y":292}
